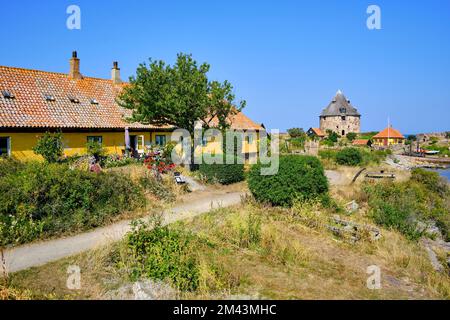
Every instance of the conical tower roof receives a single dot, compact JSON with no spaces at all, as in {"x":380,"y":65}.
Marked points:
{"x":340,"y":106}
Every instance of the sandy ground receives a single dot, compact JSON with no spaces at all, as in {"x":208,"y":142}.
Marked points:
{"x":37,"y":254}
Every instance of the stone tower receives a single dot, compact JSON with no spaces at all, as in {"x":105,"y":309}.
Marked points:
{"x":340,"y":116}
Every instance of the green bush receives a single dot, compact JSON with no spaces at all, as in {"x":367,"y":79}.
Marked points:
{"x":351,"y":136}
{"x":41,"y":199}
{"x":402,"y":206}
{"x":50,"y":147}
{"x":95,"y":149}
{"x":222,"y":173}
{"x":431,"y":180}
{"x":162,"y":253}
{"x":9,"y":166}
{"x":328,"y":154}
{"x":114,"y":161}
{"x":297,"y":177}
{"x":349,"y":157}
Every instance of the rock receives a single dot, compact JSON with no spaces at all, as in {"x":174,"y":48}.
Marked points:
{"x":352,"y":207}
{"x":143,"y":290}
{"x":432,"y":255}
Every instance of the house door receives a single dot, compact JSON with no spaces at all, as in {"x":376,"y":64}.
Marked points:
{"x":137,"y":144}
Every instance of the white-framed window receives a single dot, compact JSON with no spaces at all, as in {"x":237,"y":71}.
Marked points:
{"x":5,"y":146}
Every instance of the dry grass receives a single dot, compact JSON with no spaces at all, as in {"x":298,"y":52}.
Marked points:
{"x":267,"y":252}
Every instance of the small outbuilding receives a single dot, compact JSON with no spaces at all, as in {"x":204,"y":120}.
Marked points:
{"x":362,"y":143}
{"x":315,"y":133}
{"x":388,"y":137}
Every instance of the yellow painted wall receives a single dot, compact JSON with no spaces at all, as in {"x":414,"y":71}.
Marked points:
{"x":74,"y":143}
{"x":380,"y":142}
{"x":113,"y":142}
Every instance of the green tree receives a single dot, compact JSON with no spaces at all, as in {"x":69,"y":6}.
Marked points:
{"x":179,"y":95}
{"x":50,"y":147}
{"x":351,"y":136}
{"x":296,"y":132}
{"x":332,"y":136}
{"x":95,"y":149}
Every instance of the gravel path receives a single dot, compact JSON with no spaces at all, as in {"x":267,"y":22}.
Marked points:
{"x":37,"y":254}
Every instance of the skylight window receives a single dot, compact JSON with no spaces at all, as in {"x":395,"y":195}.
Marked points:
{"x":343,"y":110}
{"x":49,"y":97}
{"x":8,"y":94}
{"x":94,"y":101}
{"x":74,"y":100}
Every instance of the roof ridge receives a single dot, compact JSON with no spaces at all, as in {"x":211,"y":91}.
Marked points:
{"x":55,"y":73}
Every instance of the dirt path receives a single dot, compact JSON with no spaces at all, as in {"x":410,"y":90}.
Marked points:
{"x":37,"y":254}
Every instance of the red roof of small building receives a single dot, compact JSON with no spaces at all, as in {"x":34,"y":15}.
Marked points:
{"x":389,"y":133}
{"x":95,"y":105}
{"x":318,"y":132}
{"x":360,"y":142}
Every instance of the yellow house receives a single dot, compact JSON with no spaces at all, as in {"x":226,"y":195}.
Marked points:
{"x":84,"y":109}
{"x":388,"y":137}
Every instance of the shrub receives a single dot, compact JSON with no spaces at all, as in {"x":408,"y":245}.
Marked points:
{"x":163,"y":253}
{"x":9,"y":166}
{"x":349,"y":157}
{"x":115,"y":161}
{"x":351,"y":136}
{"x":222,"y":173}
{"x":402,"y":206}
{"x":332,"y":136}
{"x":50,"y":147}
{"x":431,"y":180}
{"x":41,"y":199}
{"x":95,"y":149}
{"x":296,"y":132}
{"x":297,"y":177}
{"x":327,"y":154}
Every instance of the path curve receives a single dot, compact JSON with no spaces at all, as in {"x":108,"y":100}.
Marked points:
{"x":37,"y":254}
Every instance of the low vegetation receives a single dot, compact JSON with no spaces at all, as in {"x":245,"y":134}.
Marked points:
{"x":298,"y":177}
{"x":251,"y":251}
{"x":354,"y":156}
{"x":158,"y":252}
{"x":411,"y":206}
{"x":50,"y":147}
{"x":40,"y":200}
{"x":349,"y":157}
{"x":222,"y":173}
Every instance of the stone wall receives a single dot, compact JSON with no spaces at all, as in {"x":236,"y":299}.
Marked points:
{"x":341,"y":125}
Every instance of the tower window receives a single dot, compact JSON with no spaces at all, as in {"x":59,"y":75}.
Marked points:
{"x":49,"y":97}
{"x":74,"y":99}
{"x":342,"y":110}
{"x":343,"y":118}
{"x":7,"y":94}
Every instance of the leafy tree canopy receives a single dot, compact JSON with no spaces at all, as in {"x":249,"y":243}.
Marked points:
{"x":179,"y":95}
{"x":50,"y":147}
{"x":296,"y":132}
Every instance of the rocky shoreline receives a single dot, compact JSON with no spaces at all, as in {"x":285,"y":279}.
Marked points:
{"x":408,"y":163}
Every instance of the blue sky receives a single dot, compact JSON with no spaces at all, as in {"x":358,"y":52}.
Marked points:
{"x":286,"y":58}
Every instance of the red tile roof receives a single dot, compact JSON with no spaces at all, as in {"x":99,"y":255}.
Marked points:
{"x":318,"y":132}
{"x":389,"y":133}
{"x":30,"y":109}
{"x":360,"y":142}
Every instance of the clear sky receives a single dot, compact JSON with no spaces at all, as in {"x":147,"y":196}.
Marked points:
{"x":286,"y":58}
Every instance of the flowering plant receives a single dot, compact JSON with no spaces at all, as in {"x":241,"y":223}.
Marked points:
{"x":155,"y":160}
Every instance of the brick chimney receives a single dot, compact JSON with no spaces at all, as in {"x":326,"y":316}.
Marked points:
{"x":115,"y":73}
{"x":74,"y":72}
